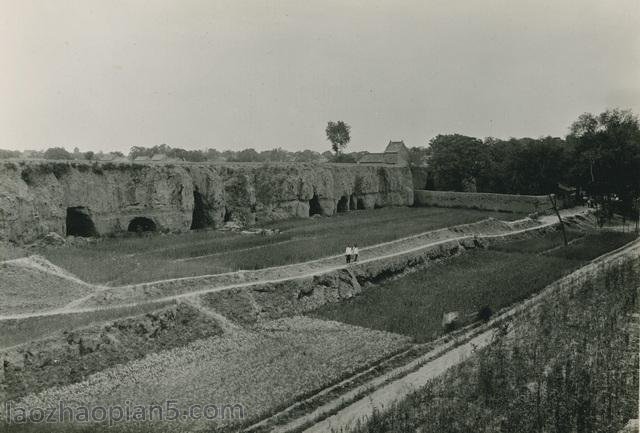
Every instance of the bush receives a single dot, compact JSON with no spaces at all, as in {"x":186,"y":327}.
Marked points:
{"x":96,"y":168}
{"x":58,"y":169}
{"x":485,"y":313}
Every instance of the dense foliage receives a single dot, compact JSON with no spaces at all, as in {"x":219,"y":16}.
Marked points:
{"x":600,"y":156}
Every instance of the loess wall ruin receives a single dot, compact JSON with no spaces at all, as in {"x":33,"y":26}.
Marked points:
{"x":37,"y":196}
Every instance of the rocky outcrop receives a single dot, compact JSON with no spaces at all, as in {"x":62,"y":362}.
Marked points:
{"x":38,"y":197}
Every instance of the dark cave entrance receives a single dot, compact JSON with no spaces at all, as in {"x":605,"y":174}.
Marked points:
{"x":343,"y":204}
{"x":199,"y":218}
{"x":141,"y":224}
{"x":79,"y":222}
{"x":314,"y":206}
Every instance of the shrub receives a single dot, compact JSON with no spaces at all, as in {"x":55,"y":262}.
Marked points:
{"x":96,"y":168}
{"x":485,"y":313}
{"x":59,"y":169}
{"x":27,"y":175}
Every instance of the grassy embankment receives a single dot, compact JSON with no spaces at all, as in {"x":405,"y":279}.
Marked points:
{"x":572,"y":367}
{"x":414,"y":304}
{"x":131,"y":260}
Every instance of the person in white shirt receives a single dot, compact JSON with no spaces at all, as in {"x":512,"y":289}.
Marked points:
{"x":354,"y":252}
{"x":347,"y":254}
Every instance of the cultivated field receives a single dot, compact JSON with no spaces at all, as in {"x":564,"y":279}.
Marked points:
{"x":414,"y":304}
{"x":130,"y":260}
{"x":221,"y":345}
{"x":261,"y":368}
{"x":572,"y":366}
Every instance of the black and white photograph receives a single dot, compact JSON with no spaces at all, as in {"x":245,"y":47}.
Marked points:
{"x":337,"y":216}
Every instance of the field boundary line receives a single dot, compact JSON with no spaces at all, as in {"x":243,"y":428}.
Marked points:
{"x":246,"y":284}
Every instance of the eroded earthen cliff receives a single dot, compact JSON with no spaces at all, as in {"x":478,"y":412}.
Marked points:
{"x":38,"y":197}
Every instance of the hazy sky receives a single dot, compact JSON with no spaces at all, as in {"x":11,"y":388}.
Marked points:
{"x":110,"y":74}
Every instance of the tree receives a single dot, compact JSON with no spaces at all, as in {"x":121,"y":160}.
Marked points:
{"x":187,"y":155}
{"x":212,"y":154}
{"x":306,"y":156}
{"x":57,"y":153}
{"x":5,"y":154}
{"x":607,"y":156}
{"x":137,"y":151}
{"x":247,"y":155}
{"x":419,"y":156}
{"x":525,"y":165}
{"x":458,"y":161}
{"x":338,"y":133}
{"x":276,"y":155}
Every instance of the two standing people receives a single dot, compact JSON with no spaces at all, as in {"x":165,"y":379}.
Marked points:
{"x":351,"y":253}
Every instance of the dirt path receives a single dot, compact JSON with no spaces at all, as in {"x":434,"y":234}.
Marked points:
{"x":242,"y":279}
{"x":352,"y":407}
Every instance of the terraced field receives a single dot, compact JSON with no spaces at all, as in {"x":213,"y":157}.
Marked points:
{"x":509,"y":272}
{"x":261,"y":368}
{"x":122,"y":261}
{"x":571,"y":366}
{"x":217,"y":335}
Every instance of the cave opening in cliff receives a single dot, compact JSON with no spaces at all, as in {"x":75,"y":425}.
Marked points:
{"x":314,"y":206}
{"x":79,"y":222}
{"x":343,"y":204}
{"x":360,"y":203}
{"x":199,"y":217}
{"x":141,"y":224}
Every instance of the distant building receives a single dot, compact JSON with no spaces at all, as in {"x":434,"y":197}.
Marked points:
{"x":396,"y":153}
{"x":142,"y":159}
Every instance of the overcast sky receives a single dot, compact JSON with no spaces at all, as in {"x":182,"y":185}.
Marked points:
{"x":111,"y":74}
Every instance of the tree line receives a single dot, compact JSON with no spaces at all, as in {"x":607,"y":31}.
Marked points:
{"x":600,"y":156}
